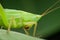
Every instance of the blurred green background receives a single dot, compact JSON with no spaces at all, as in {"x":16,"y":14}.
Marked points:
{"x":48,"y":25}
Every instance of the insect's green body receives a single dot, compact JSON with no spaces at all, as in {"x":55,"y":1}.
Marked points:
{"x":20,"y":17}
{"x":10,"y":18}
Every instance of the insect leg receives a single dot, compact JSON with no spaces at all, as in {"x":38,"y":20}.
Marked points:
{"x":29,"y":24}
{"x":34,"y":32}
{"x":26,"y":31}
{"x":21,"y":21}
{"x":10,"y":24}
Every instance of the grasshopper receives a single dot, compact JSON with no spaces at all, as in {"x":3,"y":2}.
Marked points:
{"x":11,"y":18}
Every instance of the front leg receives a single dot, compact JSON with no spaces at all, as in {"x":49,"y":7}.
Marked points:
{"x":29,"y":25}
{"x":35,"y":28}
{"x":27,"y":33}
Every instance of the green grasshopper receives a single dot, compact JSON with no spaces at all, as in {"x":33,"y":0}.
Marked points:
{"x":10,"y":18}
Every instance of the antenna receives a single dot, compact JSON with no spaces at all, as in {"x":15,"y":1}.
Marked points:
{"x":53,"y":9}
{"x":50,"y":8}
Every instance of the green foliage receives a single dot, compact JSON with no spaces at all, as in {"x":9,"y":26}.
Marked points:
{"x":3,"y":16}
{"x":15,"y":36}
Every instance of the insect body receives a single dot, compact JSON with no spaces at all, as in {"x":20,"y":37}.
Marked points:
{"x":22,"y":19}
{"x":21,"y":16}
{"x":16,"y":18}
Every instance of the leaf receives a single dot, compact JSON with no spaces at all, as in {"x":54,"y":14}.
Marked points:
{"x":15,"y":36}
{"x":3,"y":16}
